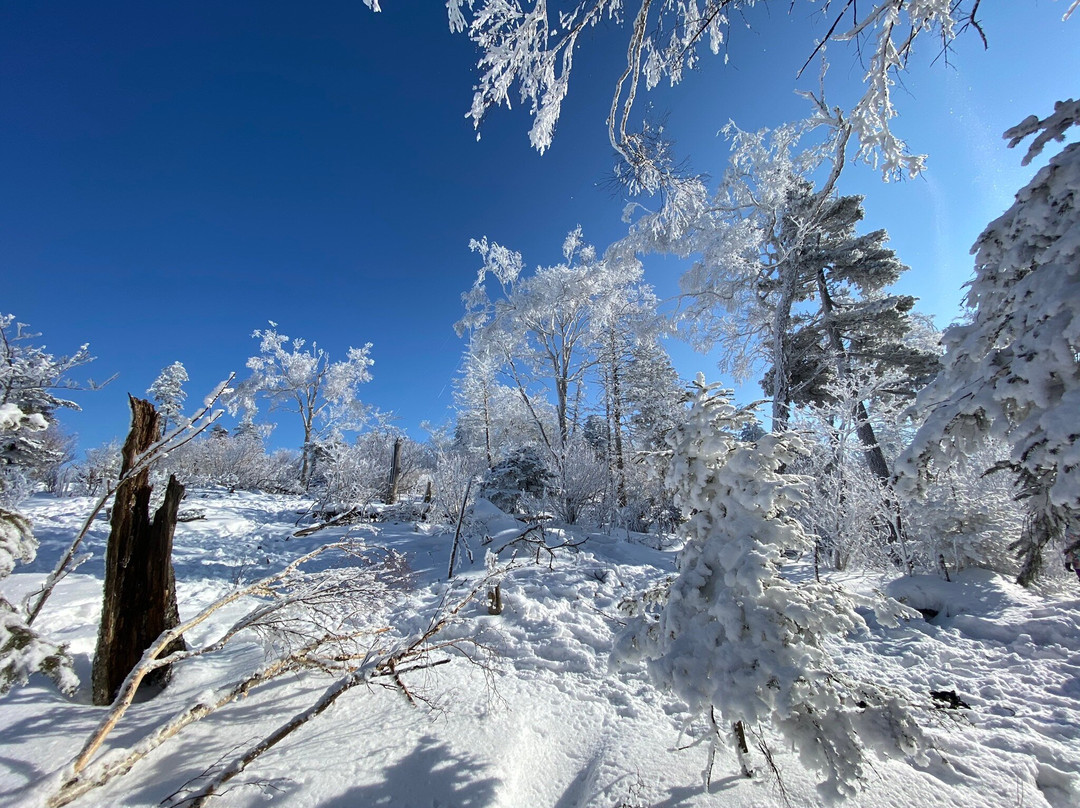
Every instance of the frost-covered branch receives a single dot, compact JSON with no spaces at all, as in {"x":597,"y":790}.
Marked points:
{"x":413,"y":656}
{"x":309,"y":617}
{"x":529,"y":45}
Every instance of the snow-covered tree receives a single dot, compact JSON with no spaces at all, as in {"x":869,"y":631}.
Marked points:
{"x":32,"y":381}
{"x":735,"y":640}
{"x":967,"y":516}
{"x":23,"y":651}
{"x":492,"y":418}
{"x":530,"y":47}
{"x":168,"y":391}
{"x":550,"y":335}
{"x":1013,"y":371}
{"x":98,"y":470}
{"x":304,"y":380}
{"x":850,"y":510}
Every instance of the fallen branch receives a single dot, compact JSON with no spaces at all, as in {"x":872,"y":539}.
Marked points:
{"x":534,"y":538}
{"x":150,"y":661}
{"x":414,"y":656}
{"x":337,"y":520}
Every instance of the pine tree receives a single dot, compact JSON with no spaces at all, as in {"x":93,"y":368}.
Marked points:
{"x":168,"y":391}
{"x":1012,"y":372}
{"x":736,"y":641}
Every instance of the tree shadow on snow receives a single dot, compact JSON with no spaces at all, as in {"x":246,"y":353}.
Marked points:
{"x":431,"y":775}
{"x":683,"y":795}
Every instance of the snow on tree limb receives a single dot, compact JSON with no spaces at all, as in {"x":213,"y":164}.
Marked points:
{"x":1011,"y":372}
{"x":529,"y":47}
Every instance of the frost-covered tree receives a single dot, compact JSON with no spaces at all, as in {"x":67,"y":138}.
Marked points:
{"x":969,"y":516}
{"x":529,"y":47}
{"x":168,"y":392}
{"x":302,"y":379}
{"x":98,"y":470}
{"x":785,"y":281}
{"x":32,"y":381}
{"x":735,"y":640}
{"x":492,"y":418}
{"x":850,"y":510}
{"x":1012,"y":372}
{"x":551,"y":335}
{"x":23,"y":651}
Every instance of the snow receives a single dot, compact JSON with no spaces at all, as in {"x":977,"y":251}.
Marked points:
{"x":548,"y":723}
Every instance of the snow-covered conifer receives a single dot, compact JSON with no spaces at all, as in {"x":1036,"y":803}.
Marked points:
{"x":737,"y":641}
{"x":168,"y":391}
{"x":1012,"y":371}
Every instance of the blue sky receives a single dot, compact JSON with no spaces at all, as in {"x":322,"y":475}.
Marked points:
{"x":174,"y":175}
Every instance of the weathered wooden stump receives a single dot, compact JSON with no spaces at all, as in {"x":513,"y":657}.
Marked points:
{"x":140,"y":586}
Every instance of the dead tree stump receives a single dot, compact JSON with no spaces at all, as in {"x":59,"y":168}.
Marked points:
{"x":140,"y":586}
{"x":395,"y":474}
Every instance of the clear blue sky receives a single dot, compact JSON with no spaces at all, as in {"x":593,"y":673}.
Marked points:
{"x":173,"y":175}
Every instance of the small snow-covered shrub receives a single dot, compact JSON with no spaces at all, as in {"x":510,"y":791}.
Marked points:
{"x":359,"y":472}
{"x":736,"y":640}
{"x":97,"y":471}
{"x":582,"y":480}
{"x":522,"y":476}
{"x":454,"y":483}
{"x":969,"y":516}
{"x":237,"y":461}
{"x":844,"y":508}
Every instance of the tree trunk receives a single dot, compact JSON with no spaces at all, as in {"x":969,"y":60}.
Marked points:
{"x":395,"y":474}
{"x":875,"y":457}
{"x":140,"y":587}
{"x":781,"y":381}
{"x":616,"y":425}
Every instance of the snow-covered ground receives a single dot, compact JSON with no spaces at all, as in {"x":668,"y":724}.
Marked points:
{"x":546,"y":721}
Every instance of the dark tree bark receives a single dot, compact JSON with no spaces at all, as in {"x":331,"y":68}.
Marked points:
{"x":395,"y":474}
{"x":140,"y":587}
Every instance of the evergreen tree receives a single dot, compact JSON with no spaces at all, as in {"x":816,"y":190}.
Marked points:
{"x":168,"y":391}
{"x":1012,"y":372}
{"x":735,"y":640}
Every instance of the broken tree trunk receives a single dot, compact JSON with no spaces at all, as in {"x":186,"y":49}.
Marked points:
{"x":395,"y":473}
{"x":140,"y":587}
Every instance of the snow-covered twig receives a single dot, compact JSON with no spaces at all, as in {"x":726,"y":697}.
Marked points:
{"x":534,"y":538}
{"x":371,"y":668}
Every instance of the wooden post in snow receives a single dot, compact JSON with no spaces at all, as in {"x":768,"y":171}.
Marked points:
{"x":140,"y":587}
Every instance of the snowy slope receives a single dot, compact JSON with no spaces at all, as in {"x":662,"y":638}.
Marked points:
{"x":545,"y":722}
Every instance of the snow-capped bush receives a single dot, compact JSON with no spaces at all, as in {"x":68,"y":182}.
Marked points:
{"x":522,"y":476}
{"x":734,"y":638}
